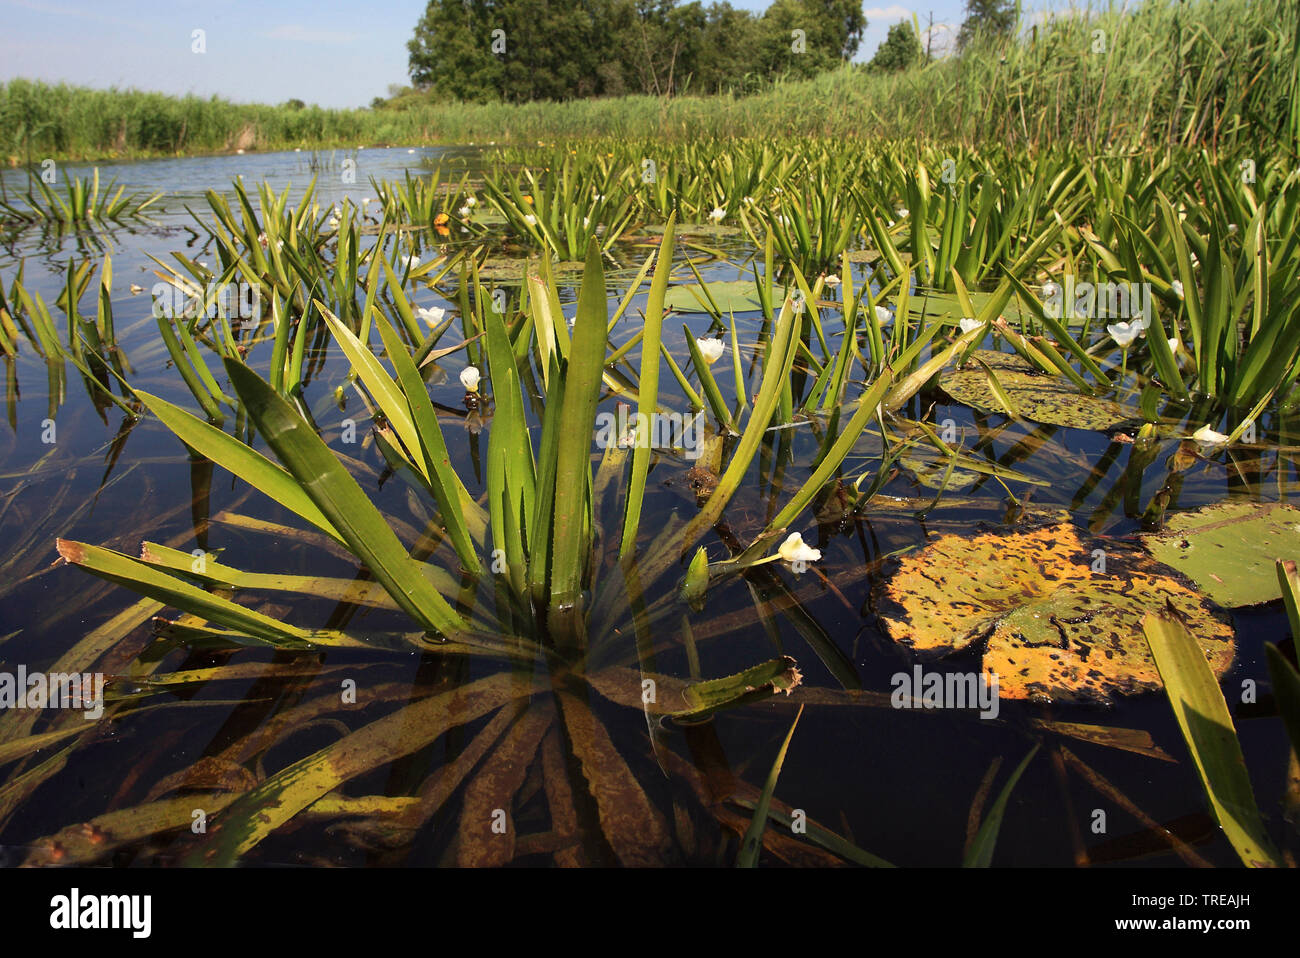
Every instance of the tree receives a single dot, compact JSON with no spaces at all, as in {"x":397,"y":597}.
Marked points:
{"x":450,"y":53}
{"x":995,"y":18}
{"x":521,"y":50}
{"x":901,"y":49}
{"x":807,"y":37}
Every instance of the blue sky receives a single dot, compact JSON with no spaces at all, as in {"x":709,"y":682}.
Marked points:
{"x":337,"y":54}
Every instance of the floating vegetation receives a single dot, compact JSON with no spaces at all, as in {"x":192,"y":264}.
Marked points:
{"x":1061,"y":616}
{"x":1007,"y":384}
{"x":1230,"y":549}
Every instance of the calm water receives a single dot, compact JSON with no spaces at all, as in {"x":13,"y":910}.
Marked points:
{"x":900,"y":783}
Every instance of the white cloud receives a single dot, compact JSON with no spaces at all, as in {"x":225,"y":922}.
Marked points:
{"x":890,"y":13}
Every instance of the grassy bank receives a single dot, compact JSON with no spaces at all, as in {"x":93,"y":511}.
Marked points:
{"x":1200,"y":73}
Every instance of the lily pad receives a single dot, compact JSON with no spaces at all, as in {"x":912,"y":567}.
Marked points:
{"x":696,"y":229}
{"x":507,"y":270}
{"x":735,"y":295}
{"x":1037,"y":396}
{"x":933,"y":473}
{"x":1230,"y":549}
{"x":1063,"y":620}
{"x":862,"y":255}
{"x":945,"y":306}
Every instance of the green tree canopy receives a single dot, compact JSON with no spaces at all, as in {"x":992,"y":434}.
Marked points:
{"x":519,"y":50}
{"x":989,"y":17}
{"x":901,"y":49}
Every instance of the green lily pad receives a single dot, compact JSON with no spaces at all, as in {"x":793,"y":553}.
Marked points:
{"x":695,"y":229}
{"x":1037,"y":396}
{"x":1062,"y":615}
{"x":510,"y":270}
{"x":1230,"y":549}
{"x":735,"y":295}
{"x":863,"y":255}
{"x":935,"y":304}
{"x":931,"y":473}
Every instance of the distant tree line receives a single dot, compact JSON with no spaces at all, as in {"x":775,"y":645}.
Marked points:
{"x":521,"y":50}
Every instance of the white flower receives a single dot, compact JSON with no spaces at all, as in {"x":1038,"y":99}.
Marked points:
{"x":1050,"y":289}
{"x":1232,"y":228}
{"x":261,"y":238}
{"x":883,"y":315}
{"x":530,"y":219}
{"x":748,"y":201}
{"x":1124,"y":333}
{"x":717,"y":214}
{"x":470,"y":201}
{"x":794,"y":549}
{"x":412,"y":262}
{"x":1208,"y":437}
{"x":334,"y":222}
{"x":832,"y":280}
{"x":469,"y":378}
{"x":586,"y":222}
{"x":967,"y":324}
{"x":901,"y":212}
{"x":463,"y":212}
{"x":366,"y":201}
{"x":1178,"y":288}
{"x":1173,"y":344}
{"x":432,"y":315}
{"x":711,"y":349}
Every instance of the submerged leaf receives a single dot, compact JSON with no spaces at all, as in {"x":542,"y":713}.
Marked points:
{"x":1060,"y":623}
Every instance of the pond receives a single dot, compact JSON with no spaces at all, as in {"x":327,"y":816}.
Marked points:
{"x":558,"y":752}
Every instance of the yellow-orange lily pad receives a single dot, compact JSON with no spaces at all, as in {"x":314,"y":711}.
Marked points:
{"x":1062,"y":615}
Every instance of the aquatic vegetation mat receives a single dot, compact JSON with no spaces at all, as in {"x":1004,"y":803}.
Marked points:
{"x":1027,"y":392}
{"x":1061,"y":615}
{"x":1230,"y":549}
